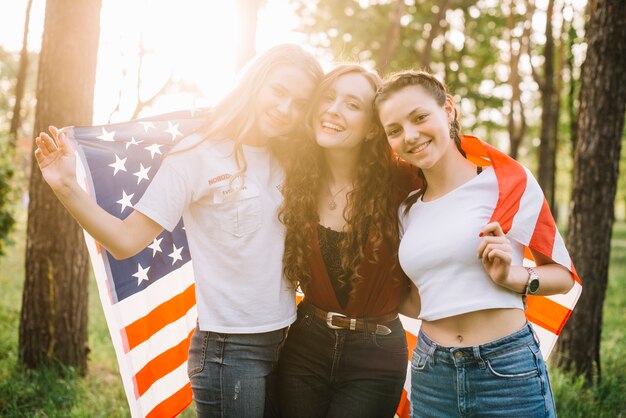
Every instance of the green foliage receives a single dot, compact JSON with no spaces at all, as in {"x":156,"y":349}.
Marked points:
{"x":13,"y":176}
{"x":55,"y":392}
{"x":7,"y":196}
{"x":9,"y":65}
{"x":573,"y":398}
{"x":469,"y":52}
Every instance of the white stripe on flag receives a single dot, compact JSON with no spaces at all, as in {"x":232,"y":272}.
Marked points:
{"x":138,"y":305}
{"x":569,"y":299}
{"x":559,"y":252}
{"x":162,"y":340}
{"x":546,"y":340}
{"x":164,"y":388}
{"x":525,"y":219}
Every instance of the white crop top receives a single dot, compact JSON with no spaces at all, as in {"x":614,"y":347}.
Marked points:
{"x":439,"y":248}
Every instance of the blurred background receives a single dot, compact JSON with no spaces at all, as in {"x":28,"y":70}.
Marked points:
{"x":541,"y":80}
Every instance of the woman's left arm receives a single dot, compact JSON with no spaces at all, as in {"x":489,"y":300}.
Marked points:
{"x":553,"y":277}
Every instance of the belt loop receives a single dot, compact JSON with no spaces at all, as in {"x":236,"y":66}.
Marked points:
{"x":431,"y":353}
{"x":481,"y":362}
{"x":352,"y":324}
{"x":535,"y":336}
{"x":366,"y":328}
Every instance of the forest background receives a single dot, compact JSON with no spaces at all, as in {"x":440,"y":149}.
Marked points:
{"x":544,"y":81}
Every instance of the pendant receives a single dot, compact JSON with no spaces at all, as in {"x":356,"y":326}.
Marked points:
{"x":332,"y":205}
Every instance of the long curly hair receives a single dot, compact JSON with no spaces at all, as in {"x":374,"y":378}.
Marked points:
{"x":370,"y":213}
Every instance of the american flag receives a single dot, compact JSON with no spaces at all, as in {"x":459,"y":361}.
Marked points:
{"x":525,"y":216}
{"x":148,"y":300}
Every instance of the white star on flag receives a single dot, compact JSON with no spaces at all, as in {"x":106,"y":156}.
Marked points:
{"x":173,"y":130}
{"x":125,"y":200}
{"x":155,"y":246}
{"x":142,"y":274}
{"x":132,"y":142}
{"x":119,"y":164}
{"x":107,"y":136}
{"x":142,"y":174}
{"x":147,"y":125}
{"x":176,"y":254}
{"x":154,"y":149}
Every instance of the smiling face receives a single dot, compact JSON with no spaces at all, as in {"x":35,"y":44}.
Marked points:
{"x":344,"y":112}
{"x":417,"y":127}
{"x":282,"y":100}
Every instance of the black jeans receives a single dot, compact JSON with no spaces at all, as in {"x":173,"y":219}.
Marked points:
{"x":325,"y":372}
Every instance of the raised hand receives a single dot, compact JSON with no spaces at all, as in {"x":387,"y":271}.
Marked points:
{"x":55,"y":158}
{"x":496,"y":251}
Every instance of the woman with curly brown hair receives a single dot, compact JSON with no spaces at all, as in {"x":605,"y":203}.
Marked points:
{"x":346,"y":354}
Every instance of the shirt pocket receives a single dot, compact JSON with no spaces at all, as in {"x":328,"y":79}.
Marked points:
{"x":238,"y":213}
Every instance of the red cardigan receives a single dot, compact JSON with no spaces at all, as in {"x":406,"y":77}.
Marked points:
{"x":378,"y":293}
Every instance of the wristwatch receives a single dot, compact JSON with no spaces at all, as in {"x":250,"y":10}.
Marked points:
{"x":532,"y":286}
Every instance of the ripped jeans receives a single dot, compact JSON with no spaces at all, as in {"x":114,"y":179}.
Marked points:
{"x":229,"y":372}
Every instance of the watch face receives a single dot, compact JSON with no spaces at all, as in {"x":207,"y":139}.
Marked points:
{"x":533,"y":286}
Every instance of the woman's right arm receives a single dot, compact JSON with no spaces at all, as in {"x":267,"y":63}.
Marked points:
{"x":411,"y":304}
{"x":122,"y":238}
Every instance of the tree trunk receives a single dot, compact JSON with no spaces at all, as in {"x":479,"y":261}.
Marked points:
{"x":392,"y":38}
{"x":53,"y":322}
{"x":517,"y":116}
{"x":571,"y":104}
{"x":547,"y":147}
{"x":248,"y":11}
{"x":437,"y":25}
{"x":22,"y":73}
{"x":596,"y":169}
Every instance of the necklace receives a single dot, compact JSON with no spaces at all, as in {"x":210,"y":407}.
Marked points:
{"x":332,"y":205}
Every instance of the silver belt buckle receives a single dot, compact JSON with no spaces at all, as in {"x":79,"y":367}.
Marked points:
{"x":329,"y":319}
{"x":382,"y":330}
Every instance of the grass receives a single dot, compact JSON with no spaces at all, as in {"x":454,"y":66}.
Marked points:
{"x":54,"y":393}
{"x":607,"y":400}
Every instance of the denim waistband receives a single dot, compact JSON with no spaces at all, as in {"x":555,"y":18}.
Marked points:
{"x":524,"y":337}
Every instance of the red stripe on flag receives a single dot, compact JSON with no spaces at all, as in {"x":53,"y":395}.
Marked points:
{"x":164,"y":314}
{"x":404,"y":408}
{"x":528,"y":254}
{"x":173,"y":405}
{"x":508,"y":172}
{"x":161,"y":365}
{"x":544,"y":233}
{"x":547,"y":313}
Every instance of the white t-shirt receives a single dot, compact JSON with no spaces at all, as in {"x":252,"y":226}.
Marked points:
{"x":235,"y":239}
{"x":439,"y":251}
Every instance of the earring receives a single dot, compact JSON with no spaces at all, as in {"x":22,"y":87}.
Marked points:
{"x":453,"y":133}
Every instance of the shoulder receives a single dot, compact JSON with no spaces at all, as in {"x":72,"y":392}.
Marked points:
{"x":196,"y":149}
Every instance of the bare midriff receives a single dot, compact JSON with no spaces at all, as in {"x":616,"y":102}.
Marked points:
{"x":474,"y":328}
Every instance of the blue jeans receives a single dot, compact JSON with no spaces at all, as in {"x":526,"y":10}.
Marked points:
{"x":325,"y":372}
{"x":503,"y":378}
{"x":228,"y":372}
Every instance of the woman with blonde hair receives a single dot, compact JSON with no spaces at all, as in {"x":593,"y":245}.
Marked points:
{"x":346,"y":354}
{"x":224,"y":181}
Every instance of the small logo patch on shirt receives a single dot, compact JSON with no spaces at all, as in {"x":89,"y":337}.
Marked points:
{"x":219,"y":178}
